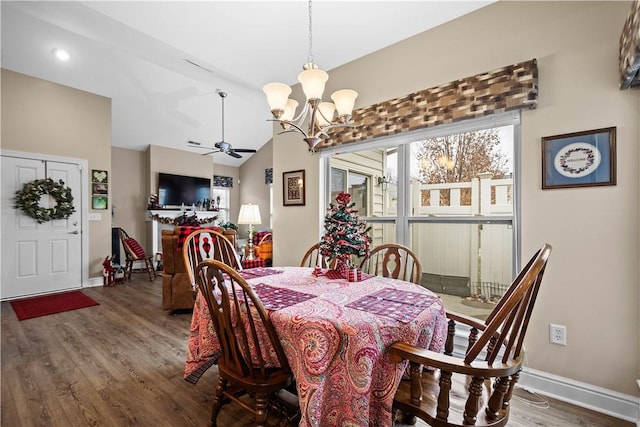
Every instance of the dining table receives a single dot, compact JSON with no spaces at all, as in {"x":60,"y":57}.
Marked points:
{"x":335,"y":334}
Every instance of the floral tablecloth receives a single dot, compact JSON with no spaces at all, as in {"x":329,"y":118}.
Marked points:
{"x":335,"y":333}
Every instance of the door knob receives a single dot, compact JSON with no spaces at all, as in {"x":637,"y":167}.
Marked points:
{"x":73,"y":232}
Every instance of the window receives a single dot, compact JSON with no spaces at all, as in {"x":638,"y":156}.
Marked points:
{"x":352,"y":182}
{"x":220,"y":198}
{"x":448,"y":193}
{"x":271,"y":206}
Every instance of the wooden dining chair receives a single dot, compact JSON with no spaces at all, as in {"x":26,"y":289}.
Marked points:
{"x":134,"y":252}
{"x":208,"y":244}
{"x":393,"y":260}
{"x":247,"y":340}
{"x":453,"y":389}
{"x":310,"y":258}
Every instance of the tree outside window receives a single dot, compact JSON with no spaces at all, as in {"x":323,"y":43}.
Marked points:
{"x":459,"y":158}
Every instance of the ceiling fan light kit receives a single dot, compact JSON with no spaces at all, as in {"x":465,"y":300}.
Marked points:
{"x":322,"y":116}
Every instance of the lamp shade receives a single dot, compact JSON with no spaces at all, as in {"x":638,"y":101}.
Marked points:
{"x":289,"y":109}
{"x":344,"y":99}
{"x":313,"y":82}
{"x":249,"y":214}
{"x":326,"y":113}
{"x":277,"y":95}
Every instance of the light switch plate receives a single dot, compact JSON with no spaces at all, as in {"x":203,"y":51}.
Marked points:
{"x":95,"y":217}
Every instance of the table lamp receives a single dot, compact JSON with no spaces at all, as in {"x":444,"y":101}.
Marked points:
{"x":250,"y":214}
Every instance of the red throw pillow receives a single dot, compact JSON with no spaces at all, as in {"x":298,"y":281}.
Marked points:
{"x":135,"y":247}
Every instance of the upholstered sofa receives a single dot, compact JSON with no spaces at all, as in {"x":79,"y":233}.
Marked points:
{"x":177,"y":293}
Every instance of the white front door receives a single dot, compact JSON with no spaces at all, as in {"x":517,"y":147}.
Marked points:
{"x":39,"y":258}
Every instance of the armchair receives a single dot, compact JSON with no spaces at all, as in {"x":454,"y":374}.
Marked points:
{"x":475,"y":388}
{"x":177,"y":291}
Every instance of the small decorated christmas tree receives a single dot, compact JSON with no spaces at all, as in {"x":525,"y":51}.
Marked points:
{"x":345,"y":235}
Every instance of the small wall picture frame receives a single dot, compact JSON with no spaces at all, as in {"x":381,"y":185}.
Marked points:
{"x":99,"y":189}
{"x":99,"y":176}
{"x":579,"y":159}
{"x":293,"y":188}
{"x":99,"y":202}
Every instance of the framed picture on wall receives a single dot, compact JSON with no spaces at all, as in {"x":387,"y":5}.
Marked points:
{"x":579,"y":159}
{"x":99,"y":176}
{"x":99,"y":189}
{"x":99,"y":202}
{"x":293,"y":188}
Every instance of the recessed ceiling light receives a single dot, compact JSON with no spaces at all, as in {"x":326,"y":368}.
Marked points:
{"x":61,"y":54}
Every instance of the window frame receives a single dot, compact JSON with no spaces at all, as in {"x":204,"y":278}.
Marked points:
{"x":226,"y":210}
{"x":348,"y":172}
{"x":403,"y":220}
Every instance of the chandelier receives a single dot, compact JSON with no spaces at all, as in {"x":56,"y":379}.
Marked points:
{"x":322,"y":116}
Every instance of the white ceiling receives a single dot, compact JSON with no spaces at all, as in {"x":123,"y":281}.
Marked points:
{"x":136,"y":53}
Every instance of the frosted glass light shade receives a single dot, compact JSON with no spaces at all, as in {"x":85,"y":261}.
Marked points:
{"x":277,"y":95}
{"x":345,"y":99}
{"x":289,"y":110}
{"x":249,"y":214}
{"x":313,"y":82}
{"x":326,"y":109}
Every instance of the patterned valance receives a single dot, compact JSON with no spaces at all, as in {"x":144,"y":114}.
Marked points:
{"x":507,"y":88}
{"x":222,"y":181}
{"x":630,"y":49}
{"x":268,"y":176}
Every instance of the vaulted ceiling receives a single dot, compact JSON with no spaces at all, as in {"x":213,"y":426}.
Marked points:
{"x":161,"y":62}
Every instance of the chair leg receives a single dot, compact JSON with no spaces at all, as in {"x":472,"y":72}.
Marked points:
{"x":127,"y":269}
{"x":262,"y":400}
{"x":150,"y":270}
{"x":218,"y":401}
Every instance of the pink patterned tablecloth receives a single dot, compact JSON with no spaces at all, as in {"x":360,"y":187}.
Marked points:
{"x":335,"y":333}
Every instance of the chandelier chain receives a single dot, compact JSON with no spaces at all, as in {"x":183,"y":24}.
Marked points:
{"x":310,"y":59}
{"x":321,"y":115}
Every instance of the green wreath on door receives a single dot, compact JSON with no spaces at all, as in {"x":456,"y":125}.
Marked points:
{"x":28,"y":200}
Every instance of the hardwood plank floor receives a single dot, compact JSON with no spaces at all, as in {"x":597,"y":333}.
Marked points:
{"x":121,"y":363}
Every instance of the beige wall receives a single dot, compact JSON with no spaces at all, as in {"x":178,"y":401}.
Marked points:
{"x":179,"y":162}
{"x":135,"y":178}
{"x":46,"y":118}
{"x":130,"y":194}
{"x":252,"y":186}
{"x":592,"y":281}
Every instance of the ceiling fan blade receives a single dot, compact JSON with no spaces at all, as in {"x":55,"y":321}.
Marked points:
{"x":244,"y":150}
{"x":232,"y":153}
{"x":210,"y":152}
{"x":194,"y":144}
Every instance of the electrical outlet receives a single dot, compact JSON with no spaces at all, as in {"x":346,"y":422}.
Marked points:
{"x":557,"y":334}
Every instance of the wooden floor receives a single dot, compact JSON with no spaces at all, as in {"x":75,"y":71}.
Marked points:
{"x":121,"y":364}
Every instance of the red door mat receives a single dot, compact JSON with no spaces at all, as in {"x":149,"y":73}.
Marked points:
{"x":29,"y":308}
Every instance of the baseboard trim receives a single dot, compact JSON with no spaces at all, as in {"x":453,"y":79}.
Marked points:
{"x":94,"y":281}
{"x":609,"y":402}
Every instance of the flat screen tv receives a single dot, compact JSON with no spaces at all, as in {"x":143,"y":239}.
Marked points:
{"x":174,"y":190}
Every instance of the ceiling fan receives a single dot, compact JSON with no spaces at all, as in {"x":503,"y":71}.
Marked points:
{"x":223,"y":146}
